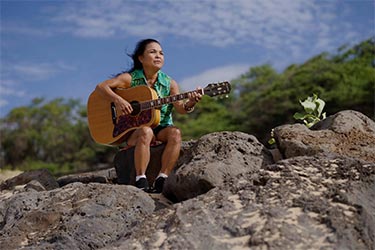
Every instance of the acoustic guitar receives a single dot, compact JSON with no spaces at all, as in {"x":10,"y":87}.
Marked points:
{"x":109,"y":128}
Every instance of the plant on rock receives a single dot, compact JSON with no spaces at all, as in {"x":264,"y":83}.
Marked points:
{"x":313,"y":107}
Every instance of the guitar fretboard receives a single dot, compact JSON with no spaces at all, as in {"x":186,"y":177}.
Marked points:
{"x":157,"y":103}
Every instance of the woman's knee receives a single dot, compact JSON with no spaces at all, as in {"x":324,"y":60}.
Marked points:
{"x":175,"y":135}
{"x":144,"y":135}
{"x":146,"y":132}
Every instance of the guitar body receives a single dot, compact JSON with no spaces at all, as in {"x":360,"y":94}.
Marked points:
{"x":108,"y":127}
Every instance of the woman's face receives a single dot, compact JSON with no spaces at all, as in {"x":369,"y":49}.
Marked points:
{"x":152,"y":57}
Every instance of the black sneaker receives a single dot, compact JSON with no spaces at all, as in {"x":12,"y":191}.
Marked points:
{"x":142,"y":184}
{"x":158,"y":184}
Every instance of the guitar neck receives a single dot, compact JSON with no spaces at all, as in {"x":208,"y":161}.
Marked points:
{"x":157,"y":103}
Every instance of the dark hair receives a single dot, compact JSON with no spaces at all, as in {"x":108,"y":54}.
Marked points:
{"x":139,"y":50}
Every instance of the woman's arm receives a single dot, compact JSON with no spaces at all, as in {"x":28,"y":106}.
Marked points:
{"x":106,"y":89}
{"x":184,"y":107}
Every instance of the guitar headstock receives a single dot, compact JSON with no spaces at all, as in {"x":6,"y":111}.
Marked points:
{"x":215,"y":89}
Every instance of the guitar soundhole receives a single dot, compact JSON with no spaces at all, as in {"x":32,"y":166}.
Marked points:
{"x":126,"y":122}
{"x":136,"y":108}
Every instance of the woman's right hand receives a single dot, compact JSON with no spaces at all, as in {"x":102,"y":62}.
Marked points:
{"x":123,"y":107}
{"x":106,"y":89}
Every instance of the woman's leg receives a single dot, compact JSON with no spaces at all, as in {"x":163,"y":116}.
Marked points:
{"x":171,"y":136}
{"x":141,"y":139}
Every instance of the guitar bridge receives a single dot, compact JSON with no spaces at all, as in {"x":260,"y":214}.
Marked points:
{"x":114,"y":113}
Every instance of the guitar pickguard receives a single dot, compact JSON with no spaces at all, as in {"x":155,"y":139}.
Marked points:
{"x":126,"y":122}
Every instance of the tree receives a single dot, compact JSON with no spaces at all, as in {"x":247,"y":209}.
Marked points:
{"x":51,"y":134}
{"x":344,"y":80}
{"x":211,"y":114}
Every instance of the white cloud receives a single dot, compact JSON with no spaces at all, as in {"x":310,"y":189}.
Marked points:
{"x":225,"y":73}
{"x":25,"y":29}
{"x":12,"y":74}
{"x":271,"y":24}
{"x":9,"y":88}
{"x":281,"y":26}
{"x":33,"y":71}
{"x":3,"y":103}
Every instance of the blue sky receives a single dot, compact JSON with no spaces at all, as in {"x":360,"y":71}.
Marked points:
{"x":62,"y":48}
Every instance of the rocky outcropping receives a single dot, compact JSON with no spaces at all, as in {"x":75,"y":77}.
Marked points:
{"x":347,"y":133}
{"x":227,"y":192}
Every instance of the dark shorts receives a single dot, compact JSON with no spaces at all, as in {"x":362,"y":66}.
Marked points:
{"x":156,"y":130}
{"x":160,"y":128}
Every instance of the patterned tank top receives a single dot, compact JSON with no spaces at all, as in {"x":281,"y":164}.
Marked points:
{"x":162,"y":88}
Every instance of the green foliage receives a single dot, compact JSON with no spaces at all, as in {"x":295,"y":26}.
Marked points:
{"x":272,"y":140}
{"x":313,"y":107}
{"x":211,"y":114}
{"x":51,"y":135}
{"x":267,"y":99}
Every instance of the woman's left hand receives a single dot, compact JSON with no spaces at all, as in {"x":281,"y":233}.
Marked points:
{"x":195,"y":96}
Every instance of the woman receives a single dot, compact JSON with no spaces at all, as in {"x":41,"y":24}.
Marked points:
{"x":148,"y":59}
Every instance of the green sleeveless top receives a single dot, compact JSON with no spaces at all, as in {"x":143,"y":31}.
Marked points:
{"x":162,"y":88}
